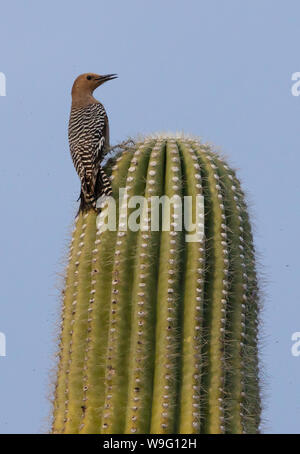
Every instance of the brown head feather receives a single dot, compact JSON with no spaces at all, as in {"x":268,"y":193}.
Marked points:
{"x":84,"y":86}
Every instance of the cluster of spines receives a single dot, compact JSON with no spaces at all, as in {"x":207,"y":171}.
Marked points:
{"x":179,"y":374}
{"x":241,"y":399}
{"x":250,"y":401}
{"x":192,"y":314}
{"x":101,"y":287}
{"x":78,"y":348}
{"x":235,"y":416}
{"x":143,"y":300}
{"x":216,"y":296}
{"x":71,"y":342}
{"x":167,"y":349}
{"x":116,"y":382}
{"x":60,"y":397}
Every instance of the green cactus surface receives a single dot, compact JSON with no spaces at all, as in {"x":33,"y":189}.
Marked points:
{"x":159,"y":334}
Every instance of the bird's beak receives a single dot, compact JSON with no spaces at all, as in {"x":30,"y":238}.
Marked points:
{"x":102,"y":79}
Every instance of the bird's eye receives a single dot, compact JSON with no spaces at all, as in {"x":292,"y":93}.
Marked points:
{"x":88,"y":77}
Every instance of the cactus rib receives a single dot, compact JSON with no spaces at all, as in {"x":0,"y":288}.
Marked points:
{"x":101,"y":288}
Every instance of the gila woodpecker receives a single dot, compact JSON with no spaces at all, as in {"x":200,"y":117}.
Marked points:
{"x":89,"y":138}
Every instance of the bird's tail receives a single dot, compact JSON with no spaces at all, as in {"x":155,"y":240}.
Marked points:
{"x":102,"y":188}
{"x":85,"y":205}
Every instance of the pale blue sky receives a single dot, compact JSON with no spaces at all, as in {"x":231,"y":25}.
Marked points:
{"x":217,"y":69}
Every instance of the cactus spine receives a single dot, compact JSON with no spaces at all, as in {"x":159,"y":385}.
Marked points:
{"x":159,"y":335}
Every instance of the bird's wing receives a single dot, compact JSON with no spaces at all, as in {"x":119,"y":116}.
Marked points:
{"x":82,"y":164}
{"x":90,"y":144}
{"x":99,"y":123}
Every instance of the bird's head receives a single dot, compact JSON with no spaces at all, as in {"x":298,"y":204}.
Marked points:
{"x":85,"y":84}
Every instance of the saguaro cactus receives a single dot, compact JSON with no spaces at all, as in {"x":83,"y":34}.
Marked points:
{"x":159,"y":334}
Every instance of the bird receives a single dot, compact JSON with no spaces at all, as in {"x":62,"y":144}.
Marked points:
{"x":88,"y":134}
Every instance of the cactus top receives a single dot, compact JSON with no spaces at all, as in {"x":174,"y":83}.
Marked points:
{"x":159,"y":335}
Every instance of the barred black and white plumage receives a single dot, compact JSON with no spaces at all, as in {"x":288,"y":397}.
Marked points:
{"x":89,"y":140}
